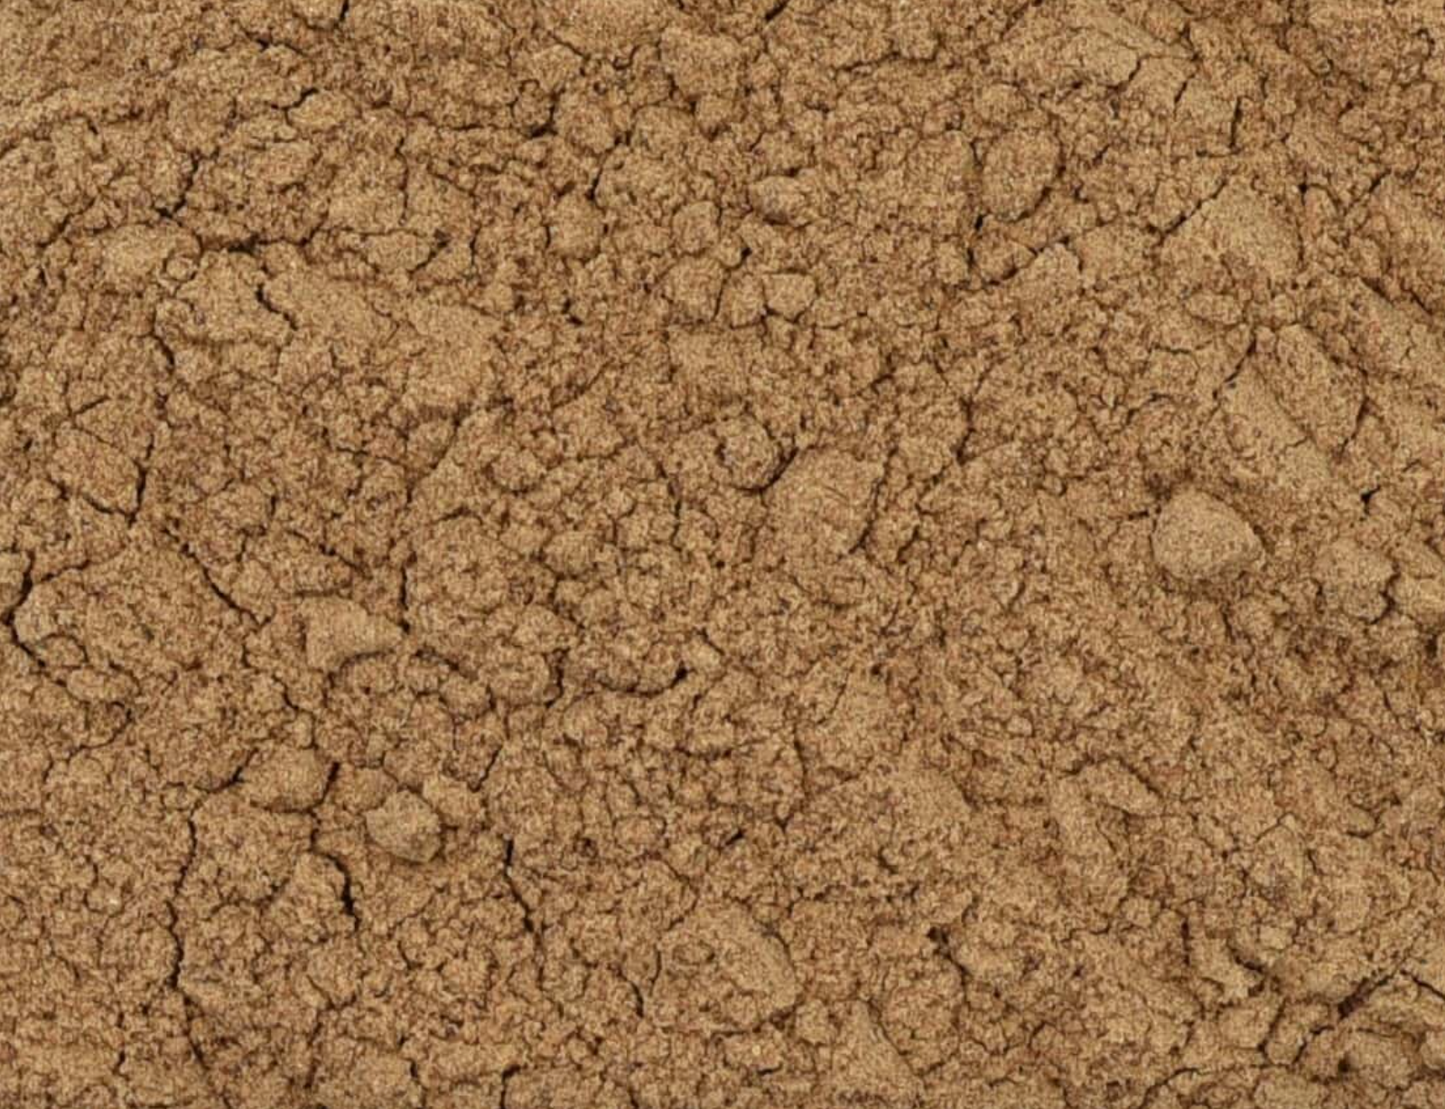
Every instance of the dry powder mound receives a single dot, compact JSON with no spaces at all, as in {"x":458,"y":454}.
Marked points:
{"x":878,"y":554}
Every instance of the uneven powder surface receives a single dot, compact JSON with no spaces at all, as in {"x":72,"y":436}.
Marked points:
{"x":682,"y":554}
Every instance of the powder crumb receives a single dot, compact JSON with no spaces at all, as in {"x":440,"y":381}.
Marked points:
{"x":1420,"y":598}
{"x":789,"y":294}
{"x":1198,"y":537}
{"x":1432,"y":1050}
{"x":13,"y":567}
{"x":748,"y":453}
{"x":319,"y":13}
{"x":742,"y":301}
{"x":694,"y":286}
{"x":1323,"y":395}
{"x":406,"y":827}
{"x":287,"y":779}
{"x":1354,"y":579}
{"x":780,"y":200}
{"x":1019,"y":167}
{"x":1238,"y":228}
{"x":1117,"y":786}
{"x":96,"y":470}
{"x":607,"y":29}
{"x":362,"y":1076}
{"x":576,"y":229}
{"x":694,"y":228}
{"x":700,"y":64}
{"x":867,"y":1065}
{"x":456,"y":805}
{"x":339,"y":631}
{"x":821,"y":504}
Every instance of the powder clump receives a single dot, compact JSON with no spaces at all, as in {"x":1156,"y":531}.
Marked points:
{"x":12,"y":581}
{"x":406,"y":827}
{"x":576,"y":229}
{"x":780,"y":200}
{"x":338,"y":631}
{"x":1198,"y":537}
{"x":866,"y":1064}
{"x":287,"y":780}
{"x":821,"y":503}
{"x":1354,"y":579}
{"x":700,"y":64}
{"x":1019,"y":167}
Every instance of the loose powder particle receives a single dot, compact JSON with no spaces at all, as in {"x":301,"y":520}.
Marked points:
{"x":632,"y":554}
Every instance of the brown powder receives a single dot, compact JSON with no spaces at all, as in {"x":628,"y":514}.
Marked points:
{"x":614,"y":554}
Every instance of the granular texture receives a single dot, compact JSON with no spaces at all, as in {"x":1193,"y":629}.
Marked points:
{"x":683,"y":554}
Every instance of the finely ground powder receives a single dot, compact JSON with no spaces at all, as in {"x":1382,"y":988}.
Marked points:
{"x":682,"y":554}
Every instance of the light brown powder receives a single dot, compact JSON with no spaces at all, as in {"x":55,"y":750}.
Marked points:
{"x":635,"y":555}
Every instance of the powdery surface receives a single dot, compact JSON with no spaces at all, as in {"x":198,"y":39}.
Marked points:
{"x":780,"y":553}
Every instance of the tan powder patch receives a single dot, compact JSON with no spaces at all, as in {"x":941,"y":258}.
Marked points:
{"x":627,"y":554}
